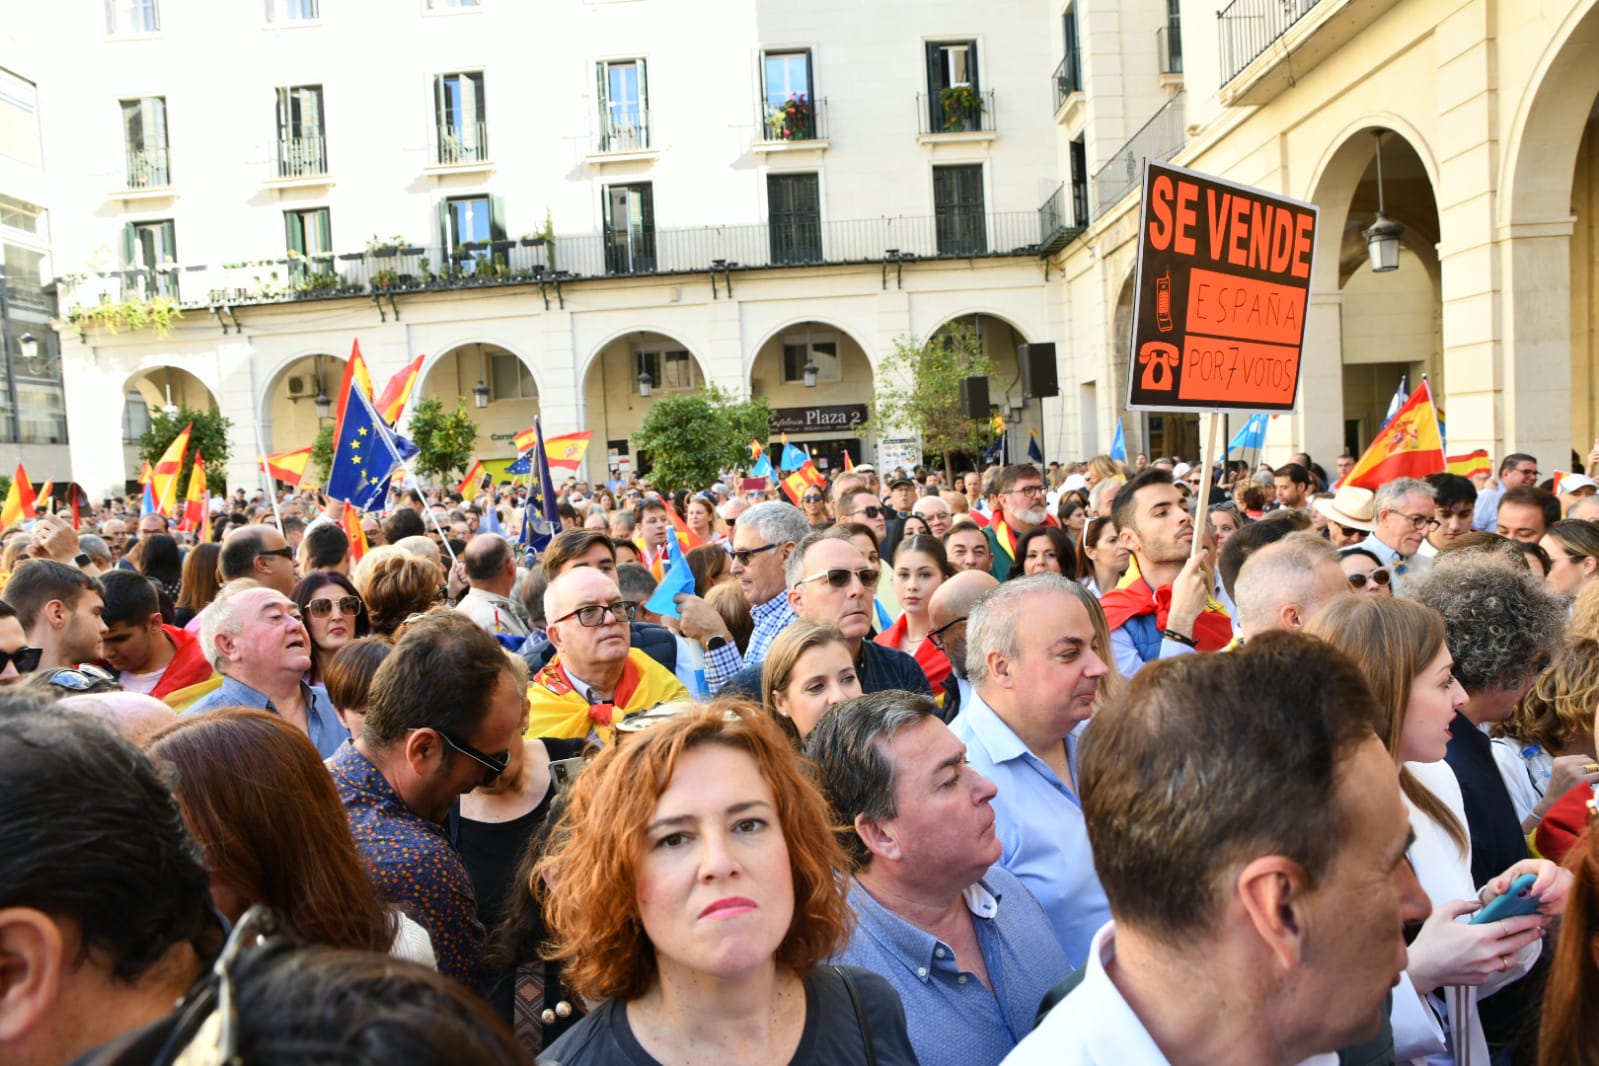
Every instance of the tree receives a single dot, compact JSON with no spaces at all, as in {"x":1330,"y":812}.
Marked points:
{"x":920,"y":391}
{"x":322,"y":452}
{"x":445,"y":440}
{"x":692,"y":437}
{"x":209,"y":436}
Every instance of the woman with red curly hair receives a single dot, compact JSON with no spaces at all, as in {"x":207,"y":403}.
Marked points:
{"x":691,"y":885}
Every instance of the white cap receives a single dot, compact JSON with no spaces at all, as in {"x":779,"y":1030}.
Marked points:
{"x":1572,"y":482}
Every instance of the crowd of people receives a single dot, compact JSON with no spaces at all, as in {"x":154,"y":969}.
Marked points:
{"x":1017,"y":765}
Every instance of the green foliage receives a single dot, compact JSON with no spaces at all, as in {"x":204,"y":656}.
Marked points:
{"x":158,"y":313}
{"x":322,"y":453}
{"x":210,"y":437}
{"x":920,"y":391}
{"x":692,"y":437}
{"x":445,"y":439}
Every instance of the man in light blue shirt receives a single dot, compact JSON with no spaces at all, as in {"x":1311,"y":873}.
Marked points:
{"x":969,"y":951}
{"x":1515,"y":469}
{"x":255,"y":639}
{"x":1035,"y":665}
{"x":1404,"y":513}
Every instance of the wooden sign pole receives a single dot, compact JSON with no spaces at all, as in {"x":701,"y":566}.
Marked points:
{"x":1207,"y":462}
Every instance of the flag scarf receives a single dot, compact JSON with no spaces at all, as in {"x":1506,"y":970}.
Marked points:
{"x":194,"y":506}
{"x":1118,"y":444}
{"x":19,"y":499}
{"x":287,"y":467}
{"x":164,"y":478}
{"x":365,"y":453}
{"x":556,"y":709}
{"x":392,"y":402}
{"x":1408,"y":446}
{"x":1213,"y":629}
{"x":1471,"y":464}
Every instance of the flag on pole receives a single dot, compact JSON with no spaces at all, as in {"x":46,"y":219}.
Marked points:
{"x":194,"y":509}
{"x":1395,"y":405}
{"x":472,"y":484}
{"x":849,"y":464}
{"x":679,"y":577}
{"x":1408,"y":446}
{"x":684,"y":533}
{"x":397,"y":392}
{"x":164,"y":478}
{"x":147,"y":503}
{"x":355,"y":373}
{"x":525,"y":440}
{"x":365,"y":453}
{"x":1118,"y":444}
{"x":287,"y":467}
{"x":806,"y":476}
{"x":144,"y":474}
{"x":793,"y":458}
{"x":1035,"y":451}
{"x":20,"y":500}
{"x":541,"y":519}
{"x":46,"y":496}
{"x":567,"y":450}
{"x":353,"y":529}
{"x":1250,"y":437}
{"x":1471,"y":464}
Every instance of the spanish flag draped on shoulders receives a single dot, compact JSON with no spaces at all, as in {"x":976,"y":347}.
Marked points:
{"x":561,"y":707}
{"x":1147,"y":608}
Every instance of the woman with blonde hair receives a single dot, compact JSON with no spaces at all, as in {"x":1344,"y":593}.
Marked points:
{"x":1545,"y":747}
{"x":808,"y":671}
{"x":715,"y":859}
{"x":1103,"y":468}
{"x":1401,"y":649}
{"x":394,"y":584}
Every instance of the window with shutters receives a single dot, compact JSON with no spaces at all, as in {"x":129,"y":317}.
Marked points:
{"x":150,"y":250}
{"x":302,"y":142}
{"x":670,"y":369}
{"x":310,"y":242}
{"x":462,"y":118}
{"x":624,"y":106}
{"x":629,"y":212}
{"x":794,"y":218}
{"x":958,"y":218}
{"x":1079,"y":159}
{"x":144,"y":136}
{"x":954,"y":94}
{"x":817,"y":349}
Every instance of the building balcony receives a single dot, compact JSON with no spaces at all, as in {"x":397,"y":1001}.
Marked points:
{"x":1067,"y":79}
{"x":957,"y":113}
{"x":463,"y":147}
{"x":149,"y":175}
{"x":1160,"y":139}
{"x":797,"y":124}
{"x":1055,"y":222}
{"x":303,"y":160}
{"x":1266,"y":45}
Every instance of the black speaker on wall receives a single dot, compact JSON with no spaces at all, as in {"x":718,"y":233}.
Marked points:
{"x":1037,"y":364}
{"x":974,"y":397}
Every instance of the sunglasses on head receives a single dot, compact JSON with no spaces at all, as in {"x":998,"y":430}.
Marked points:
{"x":320,"y":608}
{"x":82,"y":678}
{"x":840,"y":577}
{"x":1378,"y":576}
{"x":27,"y":659}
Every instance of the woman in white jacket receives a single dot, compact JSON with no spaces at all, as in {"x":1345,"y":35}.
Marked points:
{"x":1399,"y":645}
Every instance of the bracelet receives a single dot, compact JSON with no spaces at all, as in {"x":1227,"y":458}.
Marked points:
{"x":1172,"y":634}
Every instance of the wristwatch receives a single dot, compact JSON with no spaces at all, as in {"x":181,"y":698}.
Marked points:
{"x":716,"y":642}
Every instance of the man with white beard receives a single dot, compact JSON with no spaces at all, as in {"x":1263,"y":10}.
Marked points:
{"x":1020,"y":491}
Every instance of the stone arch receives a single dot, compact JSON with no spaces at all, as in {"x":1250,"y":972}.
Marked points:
{"x":853,"y":332}
{"x":945,"y":319}
{"x":285,"y":407}
{"x":449,"y":348}
{"x":694,"y":347}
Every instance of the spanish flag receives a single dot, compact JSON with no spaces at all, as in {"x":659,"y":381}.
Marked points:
{"x":472,"y":484}
{"x":849,"y":464}
{"x":685,"y":535}
{"x":194,"y":501}
{"x":567,"y":450}
{"x":804,"y":477}
{"x":1410,"y":445}
{"x":164,"y":478}
{"x":1471,"y":464}
{"x":287,"y":467}
{"x":525,"y":441}
{"x":144,"y":474}
{"x":398,"y":391}
{"x":46,"y":495}
{"x":354,"y":371}
{"x":355,"y":531}
{"x":19,"y":500}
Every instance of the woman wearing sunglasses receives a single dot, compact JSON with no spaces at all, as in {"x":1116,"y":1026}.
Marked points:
{"x":19,"y":659}
{"x":1365,"y":572}
{"x":333,"y":615}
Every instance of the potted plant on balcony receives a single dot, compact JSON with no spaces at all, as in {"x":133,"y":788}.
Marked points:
{"x":963,"y":108}
{"x":792,"y":119}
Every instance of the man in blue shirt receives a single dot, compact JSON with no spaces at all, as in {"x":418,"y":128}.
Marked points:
{"x":257,"y":642}
{"x":1035,"y":665}
{"x":969,"y":951}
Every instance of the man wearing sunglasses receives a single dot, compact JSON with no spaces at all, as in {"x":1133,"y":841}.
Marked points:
{"x":597,"y":677}
{"x":147,"y":655}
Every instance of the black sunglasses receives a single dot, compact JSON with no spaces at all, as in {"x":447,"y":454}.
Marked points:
{"x":743,"y":555}
{"x":494,"y":764}
{"x":282,"y":553}
{"x":27,"y":659}
{"x":319,"y":608}
{"x":839,"y":577}
{"x":870,"y":511}
{"x":937,"y":635}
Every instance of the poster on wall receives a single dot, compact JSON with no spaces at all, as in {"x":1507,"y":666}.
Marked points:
{"x":899,"y":453}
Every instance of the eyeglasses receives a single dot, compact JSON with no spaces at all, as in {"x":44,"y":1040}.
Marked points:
{"x":82,"y":678}
{"x":27,"y":659}
{"x":282,"y":553}
{"x":322,"y":607}
{"x":593,"y":615}
{"x":840,"y":577}
{"x":743,"y":555}
{"x":1028,"y":490}
{"x":494,"y":764}
{"x":1378,"y":576}
{"x":937,"y":635}
{"x":1419,"y":521}
{"x":810,"y":499}
{"x":870,"y":512}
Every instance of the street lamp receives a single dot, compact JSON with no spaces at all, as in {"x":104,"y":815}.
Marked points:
{"x":30,"y":347}
{"x":1382,"y":236}
{"x":480,"y":394}
{"x":323,"y":402}
{"x":811,"y":371}
{"x":645,"y":383}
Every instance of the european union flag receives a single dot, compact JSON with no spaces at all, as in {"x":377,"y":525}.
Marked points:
{"x":364,"y":456}
{"x":542,"y":518}
{"x":1034,"y":452}
{"x":523,"y":464}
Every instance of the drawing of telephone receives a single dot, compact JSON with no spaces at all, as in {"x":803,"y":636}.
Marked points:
{"x":1159,"y":360}
{"x":1163,"y":320}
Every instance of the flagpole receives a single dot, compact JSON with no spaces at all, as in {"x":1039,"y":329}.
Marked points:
{"x":272,"y":489}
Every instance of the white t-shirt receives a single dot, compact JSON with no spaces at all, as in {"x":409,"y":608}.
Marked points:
{"x":144,"y":683}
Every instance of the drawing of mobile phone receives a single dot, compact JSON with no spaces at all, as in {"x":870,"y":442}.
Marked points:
{"x":1163,"y":319}
{"x":1512,"y":904}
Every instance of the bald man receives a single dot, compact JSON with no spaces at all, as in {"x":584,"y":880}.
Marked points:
{"x":133,"y":716}
{"x":1283,"y":584}
{"x":947,"y":611}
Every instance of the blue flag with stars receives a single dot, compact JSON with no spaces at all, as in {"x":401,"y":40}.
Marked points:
{"x":364,"y":456}
{"x":541,"y":521}
{"x":523,"y":464}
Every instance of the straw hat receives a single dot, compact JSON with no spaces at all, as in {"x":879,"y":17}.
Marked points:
{"x":1351,"y":507}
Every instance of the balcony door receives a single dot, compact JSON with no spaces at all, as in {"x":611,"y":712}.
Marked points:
{"x":795,"y":218}
{"x":629,"y":229}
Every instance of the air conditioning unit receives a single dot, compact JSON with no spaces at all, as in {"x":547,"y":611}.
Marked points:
{"x":296,"y":386}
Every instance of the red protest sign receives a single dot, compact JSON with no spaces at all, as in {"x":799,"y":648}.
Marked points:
{"x":1221,"y":290}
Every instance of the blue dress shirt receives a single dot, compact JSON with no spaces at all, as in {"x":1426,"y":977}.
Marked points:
{"x":954,"y":1020}
{"x":1039,"y":820}
{"x":323,"y":725}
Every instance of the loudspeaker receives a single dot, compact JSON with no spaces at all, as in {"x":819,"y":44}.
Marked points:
{"x":1037,"y":364}
{"x":974,"y":397}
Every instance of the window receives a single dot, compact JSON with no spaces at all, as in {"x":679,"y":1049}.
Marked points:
{"x":19,"y":119}
{"x":1071,"y":69}
{"x":629,"y":229}
{"x":954,"y":95}
{"x":23,"y":216}
{"x":25,"y":277}
{"x":308,"y":236}
{"x":1171,"y":39}
{"x":132,"y":16}
{"x":624,"y":106}
{"x":450,"y":5}
{"x":302,"y":145}
{"x":291,"y":10}
{"x":671,"y":369}
{"x":463,"y":127}
{"x":821,"y":349}
{"x":135,"y":417}
{"x":149,"y":249}
{"x":794,"y":218}
{"x":509,"y":378}
{"x":958,"y":210}
{"x":1079,"y":158}
{"x":471,"y":220}
{"x":144,"y":132}
{"x":788,"y":104}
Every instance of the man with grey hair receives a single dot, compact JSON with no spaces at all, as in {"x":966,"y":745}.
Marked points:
{"x":255,"y":639}
{"x":1586,"y":508}
{"x":1404,"y":510}
{"x":1283,"y":584}
{"x":1035,"y":661}
{"x":1102,"y":497}
{"x":764,"y":540}
{"x":936,"y":512}
{"x":969,"y":951}
{"x":99,"y":554}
